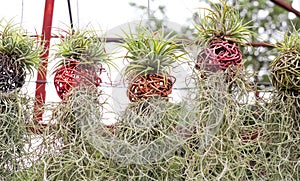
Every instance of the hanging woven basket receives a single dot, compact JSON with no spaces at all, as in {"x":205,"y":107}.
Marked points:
{"x":74,"y":75}
{"x":152,"y":85}
{"x":286,"y":73}
{"x":12,"y":74}
{"x":219,"y":55}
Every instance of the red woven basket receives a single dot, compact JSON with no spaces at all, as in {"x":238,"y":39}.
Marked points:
{"x":74,"y":75}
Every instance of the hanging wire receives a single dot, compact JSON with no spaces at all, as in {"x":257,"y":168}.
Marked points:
{"x":22,"y":12}
{"x":70,"y":15}
{"x":148,"y":9}
{"x":77,"y":4}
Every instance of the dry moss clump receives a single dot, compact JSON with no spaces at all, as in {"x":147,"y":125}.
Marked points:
{"x":255,"y":140}
{"x":14,"y":134}
{"x":145,"y":144}
{"x":216,"y":132}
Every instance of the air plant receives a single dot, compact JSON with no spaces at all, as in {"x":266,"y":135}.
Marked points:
{"x":14,"y":134}
{"x":151,"y":55}
{"x":285,"y":68}
{"x":19,"y":53}
{"x":285,"y":71}
{"x":83,"y":55}
{"x":221,"y":32}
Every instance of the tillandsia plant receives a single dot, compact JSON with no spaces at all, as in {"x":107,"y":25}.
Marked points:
{"x":14,"y":134}
{"x":285,"y":68}
{"x":83,"y":55}
{"x":151,"y":56}
{"x":221,"y":32}
{"x":75,"y":156}
{"x":144,"y":142}
{"x":18,"y":53}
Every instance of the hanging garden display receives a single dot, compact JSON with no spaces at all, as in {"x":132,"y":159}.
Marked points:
{"x":209,"y":134}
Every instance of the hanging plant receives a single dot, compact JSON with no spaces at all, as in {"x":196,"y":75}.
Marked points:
{"x":141,"y":145}
{"x":83,"y":55}
{"x":285,"y":68}
{"x":18,"y":53}
{"x":151,"y":55}
{"x":221,"y":32}
{"x":76,"y":157}
{"x":14,"y":134}
{"x":144,"y":138}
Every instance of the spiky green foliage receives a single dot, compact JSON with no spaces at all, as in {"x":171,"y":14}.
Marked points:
{"x":150,"y":52}
{"x":291,"y":41}
{"x":23,"y":50}
{"x":83,"y":45}
{"x":222,"y":22}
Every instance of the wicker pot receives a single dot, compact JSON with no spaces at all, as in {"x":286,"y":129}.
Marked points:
{"x":12,"y":74}
{"x":73,"y":75}
{"x":153,"y":85}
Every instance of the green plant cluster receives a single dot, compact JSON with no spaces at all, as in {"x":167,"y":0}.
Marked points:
{"x":19,"y":55}
{"x":150,"y":52}
{"x":222,"y":22}
{"x":19,"y":47}
{"x":84,"y":46}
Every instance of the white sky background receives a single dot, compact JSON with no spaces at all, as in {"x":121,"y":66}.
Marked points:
{"x":105,"y":14}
